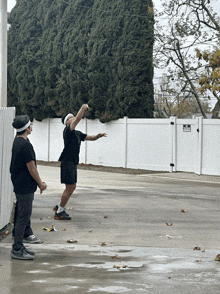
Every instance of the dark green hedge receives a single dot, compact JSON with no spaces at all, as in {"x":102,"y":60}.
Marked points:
{"x":62,"y":54}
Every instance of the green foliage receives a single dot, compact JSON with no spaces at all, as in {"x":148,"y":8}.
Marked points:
{"x":63,"y":53}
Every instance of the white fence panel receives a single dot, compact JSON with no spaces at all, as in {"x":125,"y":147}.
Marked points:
{"x":39,"y":138}
{"x":109,"y":151}
{"x":6,"y":188}
{"x":186,"y":144}
{"x":211,"y":147}
{"x":55,"y":137}
{"x":149,"y":144}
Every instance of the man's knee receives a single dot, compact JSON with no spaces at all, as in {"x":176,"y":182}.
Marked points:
{"x":70,"y":188}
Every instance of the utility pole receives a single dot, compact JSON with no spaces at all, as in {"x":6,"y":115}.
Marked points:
{"x":3,"y":53}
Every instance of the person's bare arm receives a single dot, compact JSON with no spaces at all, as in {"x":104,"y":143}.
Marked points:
{"x":95,"y":137}
{"x":34,"y":173}
{"x":78,"y":117}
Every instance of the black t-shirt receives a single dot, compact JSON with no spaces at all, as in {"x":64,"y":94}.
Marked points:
{"x":72,"y":142}
{"x":22,"y":153}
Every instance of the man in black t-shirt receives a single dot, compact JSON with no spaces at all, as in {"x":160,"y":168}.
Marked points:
{"x":70,"y":158}
{"x":25,"y":179}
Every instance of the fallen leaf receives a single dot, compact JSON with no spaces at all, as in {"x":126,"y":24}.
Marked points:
{"x":183,"y":210}
{"x":217,"y":258}
{"x":197,"y":248}
{"x":106,"y":216}
{"x":119,"y":266}
{"x":72,"y":241}
{"x":169,"y":224}
{"x":49,"y":216}
{"x":103,"y":244}
{"x":116,"y":257}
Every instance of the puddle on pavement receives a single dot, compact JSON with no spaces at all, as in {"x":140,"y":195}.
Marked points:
{"x":112,"y":289}
{"x":68,"y":268}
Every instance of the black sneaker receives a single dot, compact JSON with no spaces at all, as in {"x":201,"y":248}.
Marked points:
{"x":21,"y":254}
{"x":56,"y":208}
{"x":29,"y":251}
{"x":62,"y":216}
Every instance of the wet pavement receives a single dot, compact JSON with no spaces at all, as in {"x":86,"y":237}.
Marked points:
{"x":130,"y":236}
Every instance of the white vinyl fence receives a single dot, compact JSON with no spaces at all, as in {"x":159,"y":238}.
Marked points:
{"x":189,"y":145}
{"x":6,"y":140}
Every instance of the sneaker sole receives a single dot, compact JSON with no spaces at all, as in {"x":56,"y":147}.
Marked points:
{"x":22,"y":258}
{"x":66,"y":219}
{"x":33,"y":242}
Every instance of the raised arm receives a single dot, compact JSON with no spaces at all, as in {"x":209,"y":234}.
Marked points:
{"x":78,"y":117}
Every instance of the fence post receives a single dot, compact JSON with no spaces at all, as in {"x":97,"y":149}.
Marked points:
{"x":173,"y":163}
{"x":86,"y":144}
{"x":126,"y":141}
{"x":199,"y":143}
{"x":48,"y":138}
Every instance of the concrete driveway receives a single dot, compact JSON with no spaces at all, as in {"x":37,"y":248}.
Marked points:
{"x":129,"y":236}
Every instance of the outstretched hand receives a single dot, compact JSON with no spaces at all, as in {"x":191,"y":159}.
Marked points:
{"x":85,"y":107}
{"x":100,"y":135}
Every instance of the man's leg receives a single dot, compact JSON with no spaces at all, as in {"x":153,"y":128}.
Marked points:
{"x":60,"y":209}
{"x":15,"y":216}
{"x":23,"y":215}
{"x":66,"y":194}
{"x":24,"y":211}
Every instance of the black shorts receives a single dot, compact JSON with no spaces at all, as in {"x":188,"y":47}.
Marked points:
{"x":68,"y":173}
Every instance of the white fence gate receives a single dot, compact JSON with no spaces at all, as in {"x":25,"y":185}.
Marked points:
{"x":6,"y":140}
{"x":189,"y":145}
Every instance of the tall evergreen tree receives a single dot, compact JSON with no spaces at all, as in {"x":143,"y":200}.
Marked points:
{"x":62,"y":53}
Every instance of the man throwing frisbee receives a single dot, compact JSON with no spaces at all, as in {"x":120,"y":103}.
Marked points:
{"x":69,"y":158}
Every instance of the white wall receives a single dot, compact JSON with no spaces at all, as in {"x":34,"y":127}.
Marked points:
{"x":6,"y":188}
{"x":189,"y":145}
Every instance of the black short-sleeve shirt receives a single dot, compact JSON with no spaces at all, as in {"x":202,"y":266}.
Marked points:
{"x":22,"y":153}
{"x":72,"y":142}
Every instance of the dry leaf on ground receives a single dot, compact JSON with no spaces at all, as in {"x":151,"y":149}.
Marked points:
{"x":120,"y":266}
{"x":4,"y":233}
{"x":116,"y":257}
{"x":72,"y":241}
